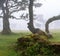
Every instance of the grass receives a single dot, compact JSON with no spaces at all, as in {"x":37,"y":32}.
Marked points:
{"x":56,"y":36}
{"x":6,"y":42}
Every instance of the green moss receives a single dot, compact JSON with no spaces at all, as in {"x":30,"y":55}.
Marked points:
{"x":31,"y":45}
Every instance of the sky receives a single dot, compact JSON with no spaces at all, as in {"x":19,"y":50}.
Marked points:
{"x":49,"y":9}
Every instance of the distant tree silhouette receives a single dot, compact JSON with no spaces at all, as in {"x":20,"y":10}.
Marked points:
{"x":9,"y":7}
{"x":6,"y":26}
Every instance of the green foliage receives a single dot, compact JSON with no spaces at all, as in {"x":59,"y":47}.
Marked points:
{"x":33,"y":46}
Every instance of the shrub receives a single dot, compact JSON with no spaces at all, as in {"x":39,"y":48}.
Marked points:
{"x":34,"y":45}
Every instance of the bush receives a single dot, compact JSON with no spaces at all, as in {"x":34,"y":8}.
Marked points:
{"x":34,"y":45}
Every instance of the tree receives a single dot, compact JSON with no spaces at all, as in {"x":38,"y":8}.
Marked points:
{"x":5,"y":16}
{"x":49,"y":21}
{"x":12,"y":6}
{"x":9,"y":7}
{"x":30,"y":24}
{"x":6,"y":28}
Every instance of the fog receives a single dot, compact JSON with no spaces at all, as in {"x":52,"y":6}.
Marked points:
{"x":49,"y":9}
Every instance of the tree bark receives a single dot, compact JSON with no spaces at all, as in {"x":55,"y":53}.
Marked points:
{"x":30,"y":24}
{"x":6,"y":26}
{"x":49,"y":21}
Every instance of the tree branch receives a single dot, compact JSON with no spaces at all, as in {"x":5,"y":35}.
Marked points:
{"x":13,"y":17}
{"x":16,"y":10}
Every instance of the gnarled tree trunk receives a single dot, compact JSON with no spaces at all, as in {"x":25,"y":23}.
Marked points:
{"x":30,"y":24}
{"x":6,"y":26}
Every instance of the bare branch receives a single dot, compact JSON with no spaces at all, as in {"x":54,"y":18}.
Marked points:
{"x":16,"y":10}
{"x":13,"y":17}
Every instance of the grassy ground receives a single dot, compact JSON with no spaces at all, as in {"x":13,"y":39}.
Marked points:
{"x":6,"y":42}
{"x":56,"y":36}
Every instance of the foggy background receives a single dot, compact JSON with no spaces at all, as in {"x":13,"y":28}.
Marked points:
{"x":49,"y":9}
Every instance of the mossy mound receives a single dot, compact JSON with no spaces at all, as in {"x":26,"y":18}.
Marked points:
{"x":34,"y":45}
